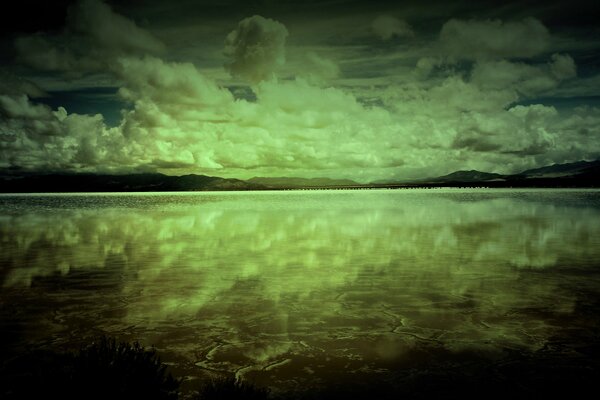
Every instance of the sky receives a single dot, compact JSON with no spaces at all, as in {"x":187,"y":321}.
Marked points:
{"x":377,"y":90}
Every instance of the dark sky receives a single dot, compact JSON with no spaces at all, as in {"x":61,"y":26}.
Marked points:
{"x":355,"y":89}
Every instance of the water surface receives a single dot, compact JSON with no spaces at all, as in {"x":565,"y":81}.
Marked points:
{"x":298,"y":288}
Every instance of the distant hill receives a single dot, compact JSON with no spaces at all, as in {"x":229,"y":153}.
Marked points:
{"x":120,"y":183}
{"x":561,"y":170}
{"x":467,"y":176}
{"x":285,"y":182}
{"x":576,"y":174}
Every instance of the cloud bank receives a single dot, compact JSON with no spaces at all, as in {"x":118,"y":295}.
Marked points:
{"x":467,"y":102}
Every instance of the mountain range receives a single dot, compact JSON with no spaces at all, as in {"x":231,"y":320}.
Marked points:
{"x":577,"y":174}
{"x":147,"y":182}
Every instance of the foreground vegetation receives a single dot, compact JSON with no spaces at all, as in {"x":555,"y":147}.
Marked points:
{"x":108,"y":369}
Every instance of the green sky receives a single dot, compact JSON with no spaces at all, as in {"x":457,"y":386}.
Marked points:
{"x":361,"y":90}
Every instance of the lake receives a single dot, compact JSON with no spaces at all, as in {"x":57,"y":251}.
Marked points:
{"x":297,"y":289}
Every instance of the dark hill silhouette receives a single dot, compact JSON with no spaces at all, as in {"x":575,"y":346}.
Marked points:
{"x":577,"y":174}
{"x":576,"y":168}
{"x":468,"y":176}
{"x":121,"y":183}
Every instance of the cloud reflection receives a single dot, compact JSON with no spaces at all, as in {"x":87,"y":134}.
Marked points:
{"x":249,"y":283}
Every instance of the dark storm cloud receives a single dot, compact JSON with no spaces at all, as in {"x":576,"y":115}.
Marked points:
{"x":93,"y":37}
{"x":11,"y":84}
{"x":474,"y":39}
{"x":474,"y":142}
{"x":256,"y":48}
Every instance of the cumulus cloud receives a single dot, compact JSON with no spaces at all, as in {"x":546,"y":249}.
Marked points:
{"x":386,"y":27}
{"x":93,"y":38}
{"x":176,"y":112}
{"x":35,"y":137}
{"x":179,"y":120}
{"x":494,"y":39}
{"x":521,"y":131}
{"x":527,"y":80}
{"x":256,"y":48}
{"x":181,"y":117}
{"x":460,"y":124}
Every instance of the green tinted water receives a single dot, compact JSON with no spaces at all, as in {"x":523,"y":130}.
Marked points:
{"x":290,"y":288}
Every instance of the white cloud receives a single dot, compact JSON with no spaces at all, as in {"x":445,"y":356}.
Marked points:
{"x":34,"y":137}
{"x":180,"y":117}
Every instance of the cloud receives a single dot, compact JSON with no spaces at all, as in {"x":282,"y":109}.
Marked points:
{"x":179,"y":115}
{"x":461,"y":124}
{"x":494,"y":39}
{"x":527,"y":80}
{"x":20,"y":107}
{"x":256,"y":48}
{"x":524,"y":79}
{"x":175,"y":115}
{"x":315,"y":68}
{"x":181,"y":120}
{"x":386,"y":27}
{"x":94,"y":37}
{"x":109,"y":30}
{"x":426,"y":65}
{"x":13,"y":85}
{"x":521,"y":131}
{"x":563,"y":66}
{"x":35,"y":137}
{"x":41,"y":53}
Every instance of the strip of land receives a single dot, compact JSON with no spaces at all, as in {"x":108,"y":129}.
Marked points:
{"x":581,"y":174}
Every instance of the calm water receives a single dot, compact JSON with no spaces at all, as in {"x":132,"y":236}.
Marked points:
{"x":294,"y":288}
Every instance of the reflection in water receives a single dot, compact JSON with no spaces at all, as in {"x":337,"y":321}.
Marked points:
{"x":281,"y":285}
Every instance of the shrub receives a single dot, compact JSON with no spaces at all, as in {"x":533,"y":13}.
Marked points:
{"x":231,"y":388}
{"x":106,"y":369}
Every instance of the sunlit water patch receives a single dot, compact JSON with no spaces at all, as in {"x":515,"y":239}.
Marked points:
{"x":296,"y":288}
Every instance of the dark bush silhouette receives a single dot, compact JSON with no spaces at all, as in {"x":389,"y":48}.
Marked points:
{"x":106,"y":369}
{"x":231,"y":388}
